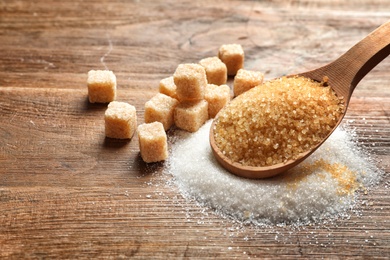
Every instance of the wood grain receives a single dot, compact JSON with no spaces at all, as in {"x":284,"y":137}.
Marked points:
{"x":68,"y":192}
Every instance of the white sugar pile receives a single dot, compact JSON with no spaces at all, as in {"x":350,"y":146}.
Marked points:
{"x":322,"y":187}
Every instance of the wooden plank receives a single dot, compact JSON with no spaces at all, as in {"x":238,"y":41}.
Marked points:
{"x":68,"y":192}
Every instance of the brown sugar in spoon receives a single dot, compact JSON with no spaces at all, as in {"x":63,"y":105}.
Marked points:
{"x":343,"y":75}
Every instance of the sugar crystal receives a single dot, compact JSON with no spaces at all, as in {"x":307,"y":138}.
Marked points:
{"x":321,"y":188}
{"x":282,"y":115}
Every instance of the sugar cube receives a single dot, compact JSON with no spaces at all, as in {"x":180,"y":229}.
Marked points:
{"x":160,"y":108}
{"x":245,"y":80}
{"x":120,"y":120}
{"x":191,"y":115}
{"x":190,"y":80}
{"x":153,"y":143}
{"x":233,"y":56}
{"x":167,"y":86}
{"x":217,"y":97}
{"x":216,"y":70}
{"x":101,"y":86}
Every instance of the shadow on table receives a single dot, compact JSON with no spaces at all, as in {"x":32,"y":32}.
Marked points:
{"x":145,"y":169}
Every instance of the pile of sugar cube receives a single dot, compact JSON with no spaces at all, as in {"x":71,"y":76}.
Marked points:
{"x":187,"y":99}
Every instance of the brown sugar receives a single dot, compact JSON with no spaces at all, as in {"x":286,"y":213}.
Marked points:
{"x":167,"y":86}
{"x":233,"y":56}
{"x":153,"y":143}
{"x":160,"y":108}
{"x":190,"y":80}
{"x":120,"y":120}
{"x":276,"y":121}
{"x":217,"y":97}
{"x":191,"y":115}
{"x":216,"y":70}
{"x":101,"y":86}
{"x":245,"y":80}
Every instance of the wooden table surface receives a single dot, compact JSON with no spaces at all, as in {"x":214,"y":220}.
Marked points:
{"x":67,"y":192}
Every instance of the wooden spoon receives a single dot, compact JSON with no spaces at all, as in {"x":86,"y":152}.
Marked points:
{"x":343,"y":76}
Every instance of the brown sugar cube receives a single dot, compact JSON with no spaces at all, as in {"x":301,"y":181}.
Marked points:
{"x":120,"y":120}
{"x":101,"y":86}
{"x":217,"y":97}
{"x":153,"y":143}
{"x":216,"y":70}
{"x":167,"y":86}
{"x":233,"y":56}
{"x":245,"y":80}
{"x":191,"y":115}
{"x":160,"y":108}
{"x":190,"y":80}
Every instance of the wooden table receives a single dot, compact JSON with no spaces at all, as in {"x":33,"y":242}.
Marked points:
{"x":67,"y":192}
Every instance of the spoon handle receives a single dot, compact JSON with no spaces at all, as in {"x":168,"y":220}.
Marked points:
{"x":347,"y":71}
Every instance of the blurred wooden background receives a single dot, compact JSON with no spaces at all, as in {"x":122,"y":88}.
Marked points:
{"x":67,"y":192}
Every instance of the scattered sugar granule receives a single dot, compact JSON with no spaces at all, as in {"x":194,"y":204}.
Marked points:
{"x":321,"y":187}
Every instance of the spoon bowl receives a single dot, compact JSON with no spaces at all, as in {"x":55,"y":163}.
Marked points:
{"x":343,"y":76}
